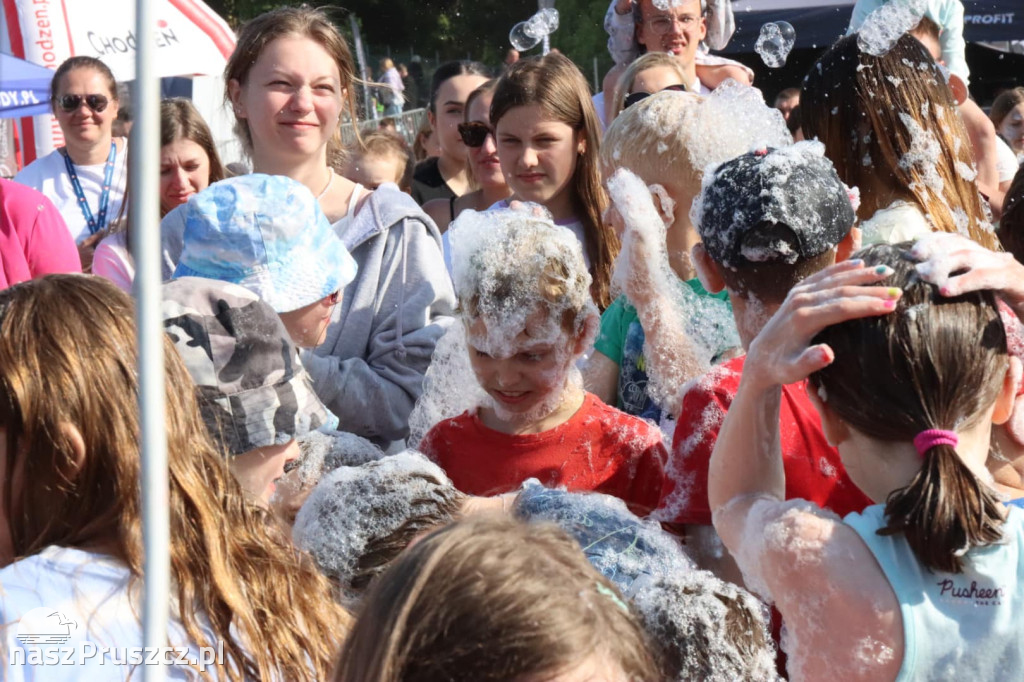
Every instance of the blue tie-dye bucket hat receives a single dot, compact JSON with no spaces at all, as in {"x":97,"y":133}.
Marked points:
{"x":268,"y":234}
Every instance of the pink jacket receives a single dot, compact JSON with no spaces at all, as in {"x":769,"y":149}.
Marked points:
{"x":34,"y":240}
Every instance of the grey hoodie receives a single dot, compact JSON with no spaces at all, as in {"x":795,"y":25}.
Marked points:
{"x":369,"y":370}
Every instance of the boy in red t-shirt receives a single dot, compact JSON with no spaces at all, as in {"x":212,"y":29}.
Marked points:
{"x":766,"y":220}
{"x":525,"y":296}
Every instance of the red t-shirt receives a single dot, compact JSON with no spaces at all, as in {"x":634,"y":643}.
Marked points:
{"x":813,"y":469}
{"x":599,"y":448}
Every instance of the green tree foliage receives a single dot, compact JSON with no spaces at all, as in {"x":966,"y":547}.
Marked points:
{"x":581,"y":35}
{"x":454,"y":29}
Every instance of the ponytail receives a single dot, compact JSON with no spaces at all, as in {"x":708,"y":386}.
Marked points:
{"x":944,"y":511}
{"x":934,"y":360}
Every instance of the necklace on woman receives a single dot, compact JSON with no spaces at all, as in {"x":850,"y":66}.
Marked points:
{"x":330,"y":181}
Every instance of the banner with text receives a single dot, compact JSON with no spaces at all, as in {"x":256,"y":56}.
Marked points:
{"x":191,"y":40}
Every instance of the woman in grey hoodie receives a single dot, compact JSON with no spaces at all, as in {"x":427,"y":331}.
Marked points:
{"x":288,"y":82}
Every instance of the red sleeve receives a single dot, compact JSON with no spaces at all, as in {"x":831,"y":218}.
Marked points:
{"x":686,"y":493}
{"x":49,"y":247}
{"x":649,"y":480}
{"x":432,"y":444}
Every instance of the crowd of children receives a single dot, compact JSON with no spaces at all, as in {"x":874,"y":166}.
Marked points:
{"x":650,"y":392}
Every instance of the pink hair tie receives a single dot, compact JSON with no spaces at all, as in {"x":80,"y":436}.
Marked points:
{"x":928,"y":439}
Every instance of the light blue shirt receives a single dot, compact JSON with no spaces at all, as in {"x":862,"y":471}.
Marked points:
{"x":955,"y":627}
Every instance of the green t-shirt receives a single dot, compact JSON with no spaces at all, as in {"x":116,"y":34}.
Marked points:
{"x":709,"y":322}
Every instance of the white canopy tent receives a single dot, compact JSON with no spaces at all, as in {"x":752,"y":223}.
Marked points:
{"x":188,"y":38}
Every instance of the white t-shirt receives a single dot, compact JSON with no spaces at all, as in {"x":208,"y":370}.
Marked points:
{"x":86,"y":596}
{"x":575,"y":225}
{"x":49,"y":176}
{"x":1007,"y":162}
{"x":341,"y":225}
{"x":112,"y":260}
{"x":898,"y":222}
{"x":598,"y":100}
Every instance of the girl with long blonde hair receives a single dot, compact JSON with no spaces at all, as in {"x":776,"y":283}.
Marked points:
{"x":70,"y":527}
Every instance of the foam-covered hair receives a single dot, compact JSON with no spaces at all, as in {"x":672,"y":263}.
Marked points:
{"x":354,"y":510}
{"x":509,"y":263}
{"x":672,"y":137}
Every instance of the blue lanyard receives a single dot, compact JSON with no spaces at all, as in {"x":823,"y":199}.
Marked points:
{"x":108,"y":177}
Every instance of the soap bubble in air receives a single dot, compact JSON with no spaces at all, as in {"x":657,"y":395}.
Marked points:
{"x":543,"y":23}
{"x":528,"y":34}
{"x":775,"y":42}
{"x":521,"y":39}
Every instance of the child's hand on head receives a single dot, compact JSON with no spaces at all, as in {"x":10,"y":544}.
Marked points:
{"x":957,"y":265}
{"x":782,"y":353}
{"x":634,"y":202}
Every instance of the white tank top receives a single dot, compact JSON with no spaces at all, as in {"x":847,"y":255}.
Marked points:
{"x":341,"y":224}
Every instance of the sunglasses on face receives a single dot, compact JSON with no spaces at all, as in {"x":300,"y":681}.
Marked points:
{"x":634,"y":97}
{"x":96,"y":103}
{"x":475,"y":133}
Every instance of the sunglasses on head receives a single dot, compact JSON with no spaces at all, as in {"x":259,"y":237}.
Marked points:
{"x":634,"y":97}
{"x":96,"y":103}
{"x":474,"y":133}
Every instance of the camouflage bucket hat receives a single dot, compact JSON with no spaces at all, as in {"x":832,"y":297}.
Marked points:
{"x":252,"y":388}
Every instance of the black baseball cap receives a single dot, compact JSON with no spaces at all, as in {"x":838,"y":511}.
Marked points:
{"x":773,"y":206}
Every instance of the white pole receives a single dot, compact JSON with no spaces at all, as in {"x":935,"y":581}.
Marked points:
{"x":546,"y":45}
{"x":145,"y":218}
{"x":358,"y":40}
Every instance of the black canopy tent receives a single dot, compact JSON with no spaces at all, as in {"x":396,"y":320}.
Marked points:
{"x":819,"y":22}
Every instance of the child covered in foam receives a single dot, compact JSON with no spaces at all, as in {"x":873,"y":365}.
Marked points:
{"x":908,"y":380}
{"x":359,"y":519}
{"x":666,"y":141}
{"x":528,"y":317}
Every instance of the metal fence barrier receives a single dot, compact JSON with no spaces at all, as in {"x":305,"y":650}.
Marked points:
{"x":407,"y":124}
